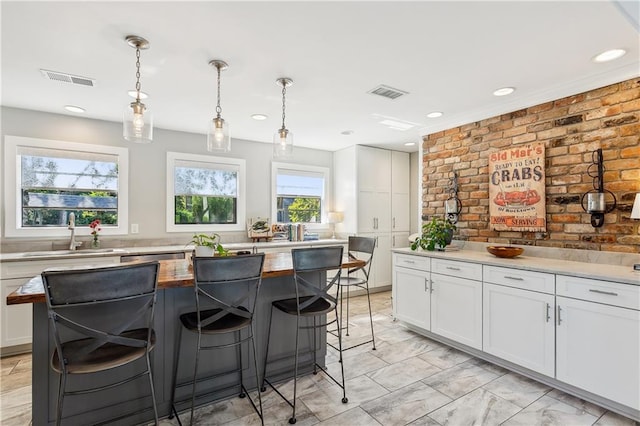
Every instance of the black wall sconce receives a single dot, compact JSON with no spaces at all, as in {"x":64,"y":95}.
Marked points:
{"x":595,"y":203}
{"x":453,"y":206}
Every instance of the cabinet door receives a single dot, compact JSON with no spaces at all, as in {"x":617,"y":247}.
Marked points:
{"x":16,"y":319}
{"x":382,"y":261}
{"x":411,"y":298}
{"x":374,"y":169}
{"x":518,"y":326}
{"x":400,"y":239}
{"x":374,"y":211}
{"x":399,"y":212}
{"x":598,"y":348}
{"x":400,"y":177}
{"x":456,"y":309}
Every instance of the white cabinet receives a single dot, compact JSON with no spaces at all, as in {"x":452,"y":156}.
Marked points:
{"x":447,"y":305}
{"x":598,"y":343}
{"x":400,"y":239}
{"x":518,"y":317}
{"x":564,"y":330}
{"x":381,"y":264}
{"x":456,"y":302}
{"x":411,"y":291}
{"x":371,"y":187}
{"x":16,"y":320}
{"x":518,"y":325}
{"x":400,"y":181}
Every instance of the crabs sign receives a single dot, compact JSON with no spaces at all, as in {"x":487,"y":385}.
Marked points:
{"x":517,"y":188}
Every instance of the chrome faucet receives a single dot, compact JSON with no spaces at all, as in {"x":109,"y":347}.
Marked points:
{"x":72,"y":226}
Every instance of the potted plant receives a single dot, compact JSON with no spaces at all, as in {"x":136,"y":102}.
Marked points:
{"x":436,"y":234}
{"x":207,"y":245}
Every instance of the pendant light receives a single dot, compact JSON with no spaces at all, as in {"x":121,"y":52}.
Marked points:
{"x":283,"y":138}
{"x":218,"y":138}
{"x":137,"y":121}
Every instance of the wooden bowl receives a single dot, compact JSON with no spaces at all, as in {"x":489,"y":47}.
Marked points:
{"x":505,"y":251}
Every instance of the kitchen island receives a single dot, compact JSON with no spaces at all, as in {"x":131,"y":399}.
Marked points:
{"x":175,"y":296}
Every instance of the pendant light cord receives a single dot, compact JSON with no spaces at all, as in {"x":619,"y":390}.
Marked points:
{"x":284,"y":91}
{"x":138,"y":74}
{"x":218,"y":107}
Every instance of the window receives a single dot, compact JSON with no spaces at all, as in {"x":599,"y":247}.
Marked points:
{"x":47,"y":180}
{"x":204,"y":193}
{"x":299,"y":193}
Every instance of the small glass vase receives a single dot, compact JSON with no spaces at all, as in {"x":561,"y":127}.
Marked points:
{"x":95,"y":244}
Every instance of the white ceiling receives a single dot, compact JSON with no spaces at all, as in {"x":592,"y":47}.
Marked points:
{"x":450,"y":56}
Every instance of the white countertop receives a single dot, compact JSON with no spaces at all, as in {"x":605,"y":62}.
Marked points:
{"x":618,"y":273}
{"x":106,"y":252}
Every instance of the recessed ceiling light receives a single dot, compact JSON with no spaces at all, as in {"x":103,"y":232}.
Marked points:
{"x":434,"y":114}
{"x":609,"y":55}
{"x":133,"y":94}
{"x":504,"y":91}
{"x":73,"y":108}
{"x":259,"y":117}
{"x":346,"y":132}
{"x":409,"y":143}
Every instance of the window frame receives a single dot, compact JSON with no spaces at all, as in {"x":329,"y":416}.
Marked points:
{"x":240,"y":164}
{"x":13,"y":187}
{"x":304,"y":168}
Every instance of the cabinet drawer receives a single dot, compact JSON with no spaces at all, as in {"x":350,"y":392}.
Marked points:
{"x":472,"y":271}
{"x":31,"y":268}
{"x":421,"y":263}
{"x":519,"y":278}
{"x":608,"y":292}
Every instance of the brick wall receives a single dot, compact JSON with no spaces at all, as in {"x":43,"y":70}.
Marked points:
{"x":571,"y":129}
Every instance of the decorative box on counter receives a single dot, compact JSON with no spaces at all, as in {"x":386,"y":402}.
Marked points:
{"x":259,"y":228}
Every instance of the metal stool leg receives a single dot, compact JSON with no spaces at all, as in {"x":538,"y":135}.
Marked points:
{"x":255,"y":366}
{"x":153,"y":391}
{"x":174,"y":382}
{"x":62,"y":384}
{"x":239,"y":352}
{"x":344,"y":390}
{"x":266,"y":355}
{"x":373,"y":339}
{"x":195,"y":374}
{"x":292,"y":420}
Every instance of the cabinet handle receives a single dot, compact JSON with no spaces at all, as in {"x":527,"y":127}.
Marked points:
{"x":559,"y":319}
{"x":393,"y":243}
{"x":426,"y":285}
{"x":453,"y":268}
{"x":608,"y":293}
{"x":394,"y":223}
{"x":432,"y":285}
{"x":514,"y":278}
{"x":409,"y":261}
{"x":548,"y":310}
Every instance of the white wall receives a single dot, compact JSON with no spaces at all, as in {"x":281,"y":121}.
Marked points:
{"x":147,"y":164}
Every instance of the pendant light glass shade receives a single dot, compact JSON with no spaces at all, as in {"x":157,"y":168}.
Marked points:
{"x":137,"y":123}
{"x":218,"y":136}
{"x":283,"y":138}
{"x":137,"y":120}
{"x":283,"y":143}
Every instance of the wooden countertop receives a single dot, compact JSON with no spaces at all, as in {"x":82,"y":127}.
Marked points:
{"x":175,"y":273}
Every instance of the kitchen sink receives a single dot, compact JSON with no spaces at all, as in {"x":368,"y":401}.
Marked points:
{"x":71,"y":252}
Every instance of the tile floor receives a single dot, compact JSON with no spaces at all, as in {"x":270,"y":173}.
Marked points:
{"x":408,"y":380}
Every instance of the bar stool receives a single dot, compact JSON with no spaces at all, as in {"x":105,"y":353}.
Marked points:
{"x":313,"y":301}
{"x":109,"y":313}
{"x":223,"y":306}
{"x":359,"y":248}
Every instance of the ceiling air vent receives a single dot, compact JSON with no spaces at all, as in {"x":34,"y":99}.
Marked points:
{"x":387,"y":92}
{"x":68,"y":78}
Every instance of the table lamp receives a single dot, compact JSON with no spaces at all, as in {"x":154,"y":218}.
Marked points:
{"x":333,"y":218}
{"x":635,"y":214}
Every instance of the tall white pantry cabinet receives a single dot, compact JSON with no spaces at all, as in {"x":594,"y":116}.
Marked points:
{"x":371,"y":187}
